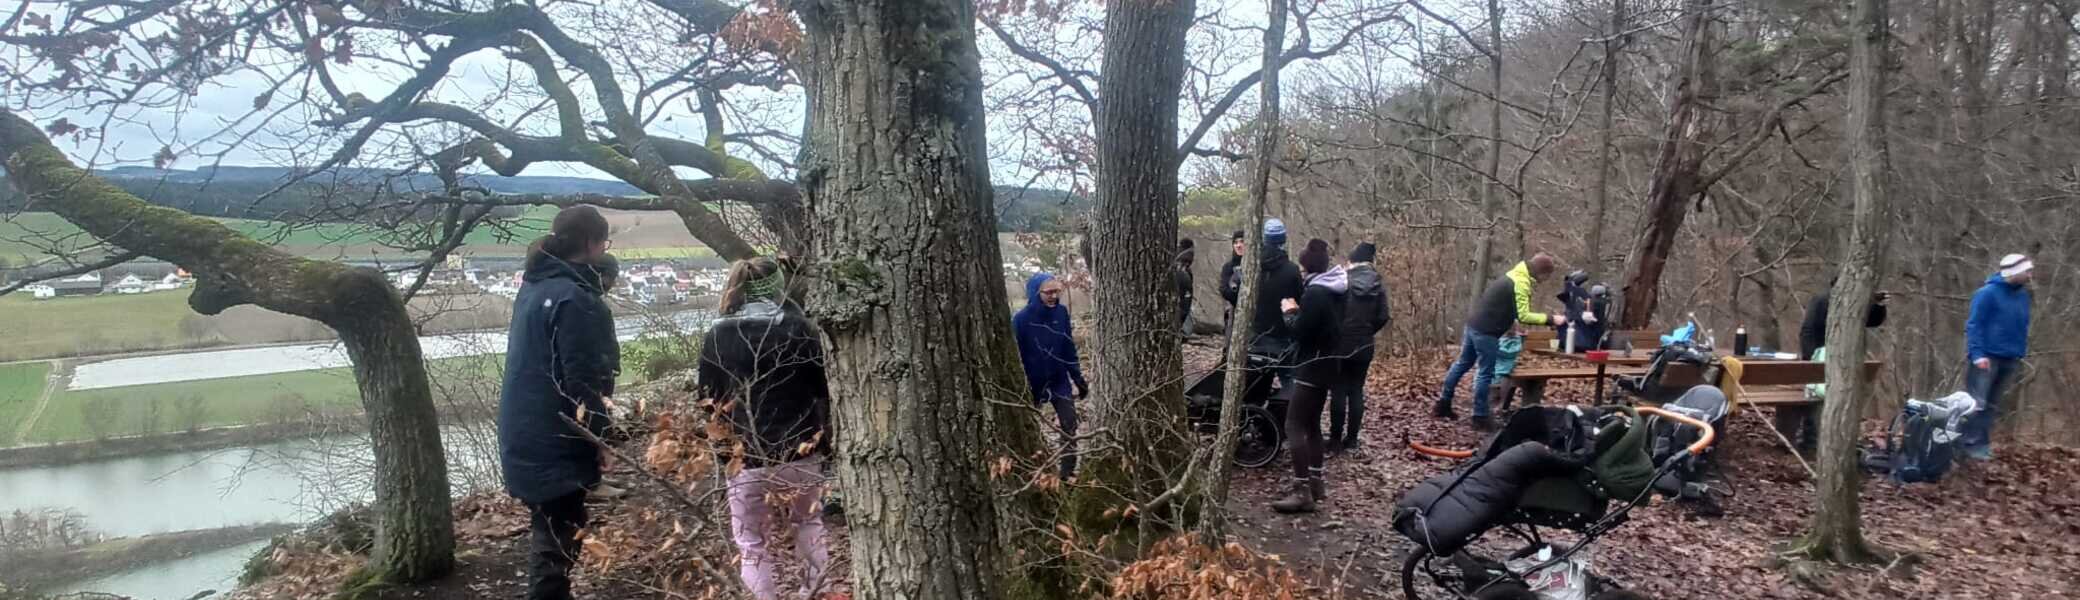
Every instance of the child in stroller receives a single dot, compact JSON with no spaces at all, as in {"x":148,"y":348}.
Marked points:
{"x":1549,"y":467}
{"x":1262,"y":422}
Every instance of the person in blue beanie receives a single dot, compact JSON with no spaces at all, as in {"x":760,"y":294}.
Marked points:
{"x":1996,"y":338}
{"x":1047,"y":346}
{"x":1278,"y":280}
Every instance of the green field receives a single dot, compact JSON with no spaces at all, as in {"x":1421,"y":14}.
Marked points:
{"x":258,"y":399}
{"x":20,"y":384}
{"x":471,"y":381}
{"x":92,"y":325}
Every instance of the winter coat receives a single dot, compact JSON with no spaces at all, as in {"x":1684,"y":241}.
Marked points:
{"x":560,"y":354}
{"x":1046,"y":345}
{"x":1365,"y":310}
{"x":1445,"y":517}
{"x":1812,"y":332}
{"x":1577,"y":301}
{"x":766,"y":364}
{"x":1999,"y":325}
{"x":1277,"y":279}
{"x":1505,"y":302}
{"x":1317,"y":329}
{"x":1181,"y":275}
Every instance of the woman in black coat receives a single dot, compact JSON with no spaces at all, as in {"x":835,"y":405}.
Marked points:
{"x":1316,"y":321}
{"x":763,"y":361}
{"x":560,"y":361}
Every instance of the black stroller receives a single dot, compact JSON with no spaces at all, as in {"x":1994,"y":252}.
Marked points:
{"x":1549,"y":467}
{"x":1262,"y":421}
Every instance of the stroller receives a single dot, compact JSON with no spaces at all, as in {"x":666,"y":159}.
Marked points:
{"x":1549,"y":467}
{"x":1692,"y":481}
{"x":1262,"y":422}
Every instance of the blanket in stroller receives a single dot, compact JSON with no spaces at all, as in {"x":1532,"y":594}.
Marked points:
{"x":1568,"y":446}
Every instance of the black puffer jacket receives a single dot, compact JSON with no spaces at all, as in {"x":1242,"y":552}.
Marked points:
{"x":766,"y":364}
{"x":1365,"y":310}
{"x":1317,"y":329}
{"x":1278,"y":279}
{"x":1445,"y":517}
{"x":560,"y":354}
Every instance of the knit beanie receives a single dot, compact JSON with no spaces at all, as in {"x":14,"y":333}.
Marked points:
{"x":766,"y":288}
{"x":1315,"y":259}
{"x":1274,"y":232}
{"x":1364,"y":252}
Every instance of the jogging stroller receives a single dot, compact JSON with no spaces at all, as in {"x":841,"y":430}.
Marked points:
{"x":1693,"y":479}
{"x":1549,"y":467}
{"x":1262,"y":421}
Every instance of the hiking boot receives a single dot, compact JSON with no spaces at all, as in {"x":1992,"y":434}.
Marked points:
{"x":1483,"y":423}
{"x":1443,"y":410}
{"x":1351,"y":444}
{"x":604,"y":492}
{"x":1318,"y":488}
{"x":1299,"y":500}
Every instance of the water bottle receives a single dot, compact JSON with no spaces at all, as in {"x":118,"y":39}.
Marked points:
{"x":1740,"y":341}
{"x":1570,"y":337}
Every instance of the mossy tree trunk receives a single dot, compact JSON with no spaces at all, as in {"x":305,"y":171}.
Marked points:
{"x":935,"y":434}
{"x":415,"y":538}
{"x":1137,"y":366}
{"x":1837,"y":526}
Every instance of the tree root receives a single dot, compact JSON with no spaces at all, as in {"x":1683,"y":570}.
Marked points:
{"x":365,"y":583}
{"x":1810,"y":563}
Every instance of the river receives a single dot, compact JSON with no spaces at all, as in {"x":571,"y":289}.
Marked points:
{"x":293,"y":481}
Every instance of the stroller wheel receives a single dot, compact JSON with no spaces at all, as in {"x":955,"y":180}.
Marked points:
{"x":1258,"y":439}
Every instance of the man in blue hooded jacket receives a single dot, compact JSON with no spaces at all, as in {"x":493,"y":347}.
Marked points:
{"x":1047,"y":346}
{"x":1996,"y":338}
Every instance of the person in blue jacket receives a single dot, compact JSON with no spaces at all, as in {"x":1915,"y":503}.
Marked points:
{"x":1047,"y":346}
{"x":561,"y":355}
{"x":1996,"y":338}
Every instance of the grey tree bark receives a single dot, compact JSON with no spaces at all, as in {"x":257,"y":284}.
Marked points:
{"x":1213,"y":523}
{"x":1600,"y":202}
{"x":415,"y":536}
{"x":1138,"y":368}
{"x":927,"y":392}
{"x":1491,"y":203}
{"x":1837,"y":527}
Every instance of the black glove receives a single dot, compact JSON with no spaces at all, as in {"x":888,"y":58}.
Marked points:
{"x":1083,"y":390}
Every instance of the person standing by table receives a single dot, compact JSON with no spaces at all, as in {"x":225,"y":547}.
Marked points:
{"x":1801,"y":423}
{"x":1505,"y":303}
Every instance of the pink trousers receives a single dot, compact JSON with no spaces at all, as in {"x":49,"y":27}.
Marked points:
{"x":792,"y":492}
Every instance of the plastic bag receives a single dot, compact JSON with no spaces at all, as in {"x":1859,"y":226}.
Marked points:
{"x":1568,"y":580}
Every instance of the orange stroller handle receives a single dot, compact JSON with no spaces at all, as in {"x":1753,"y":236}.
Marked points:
{"x":1702,"y":442}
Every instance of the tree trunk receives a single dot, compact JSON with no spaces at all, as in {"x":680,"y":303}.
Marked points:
{"x":1837,"y":527}
{"x":415,"y":538}
{"x":1213,"y":524}
{"x":1679,"y":158}
{"x":1600,"y":202}
{"x":927,"y":394}
{"x":1138,"y":366}
{"x":1491,"y":206}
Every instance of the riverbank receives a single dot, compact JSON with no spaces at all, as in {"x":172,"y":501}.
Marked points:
{"x":202,"y":440}
{"x":36,"y":571}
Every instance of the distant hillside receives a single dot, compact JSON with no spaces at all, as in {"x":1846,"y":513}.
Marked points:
{"x":230,"y":192}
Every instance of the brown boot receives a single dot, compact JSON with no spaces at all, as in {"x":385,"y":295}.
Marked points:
{"x":1300,"y":500}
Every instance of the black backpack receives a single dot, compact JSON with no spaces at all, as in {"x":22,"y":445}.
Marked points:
{"x":1917,"y":446}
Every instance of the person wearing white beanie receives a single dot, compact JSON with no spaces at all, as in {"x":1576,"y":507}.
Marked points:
{"x":1996,"y":338}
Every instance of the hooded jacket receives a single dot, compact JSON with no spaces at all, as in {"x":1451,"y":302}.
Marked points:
{"x":1317,"y":328}
{"x":1812,"y":332}
{"x":1365,"y":309}
{"x":1506,"y":301}
{"x":1999,"y":325}
{"x":1046,"y":345}
{"x":1576,"y":299}
{"x":560,"y":354}
{"x":1277,"y":279}
{"x":766,"y":364}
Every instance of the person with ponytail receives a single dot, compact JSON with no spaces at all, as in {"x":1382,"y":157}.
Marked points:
{"x":1316,"y":320}
{"x":561,"y":355}
{"x":762,"y":361}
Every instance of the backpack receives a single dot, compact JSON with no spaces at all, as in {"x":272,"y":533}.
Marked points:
{"x":1919,"y":444}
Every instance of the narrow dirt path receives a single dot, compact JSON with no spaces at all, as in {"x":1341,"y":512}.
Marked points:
{"x":59,"y":374}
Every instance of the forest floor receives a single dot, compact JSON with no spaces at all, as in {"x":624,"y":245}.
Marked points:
{"x":1997,"y":530}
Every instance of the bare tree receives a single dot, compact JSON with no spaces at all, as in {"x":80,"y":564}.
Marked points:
{"x":1837,"y":528}
{"x":927,"y":394}
{"x":416,"y":537}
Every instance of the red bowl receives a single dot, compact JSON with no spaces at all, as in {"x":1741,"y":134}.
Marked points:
{"x":1599,"y":355}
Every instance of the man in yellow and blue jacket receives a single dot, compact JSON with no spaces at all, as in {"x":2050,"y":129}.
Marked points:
{"x":1505,"y":303}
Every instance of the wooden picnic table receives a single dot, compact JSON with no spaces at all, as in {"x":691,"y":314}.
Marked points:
{"x":1757,"y":373}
